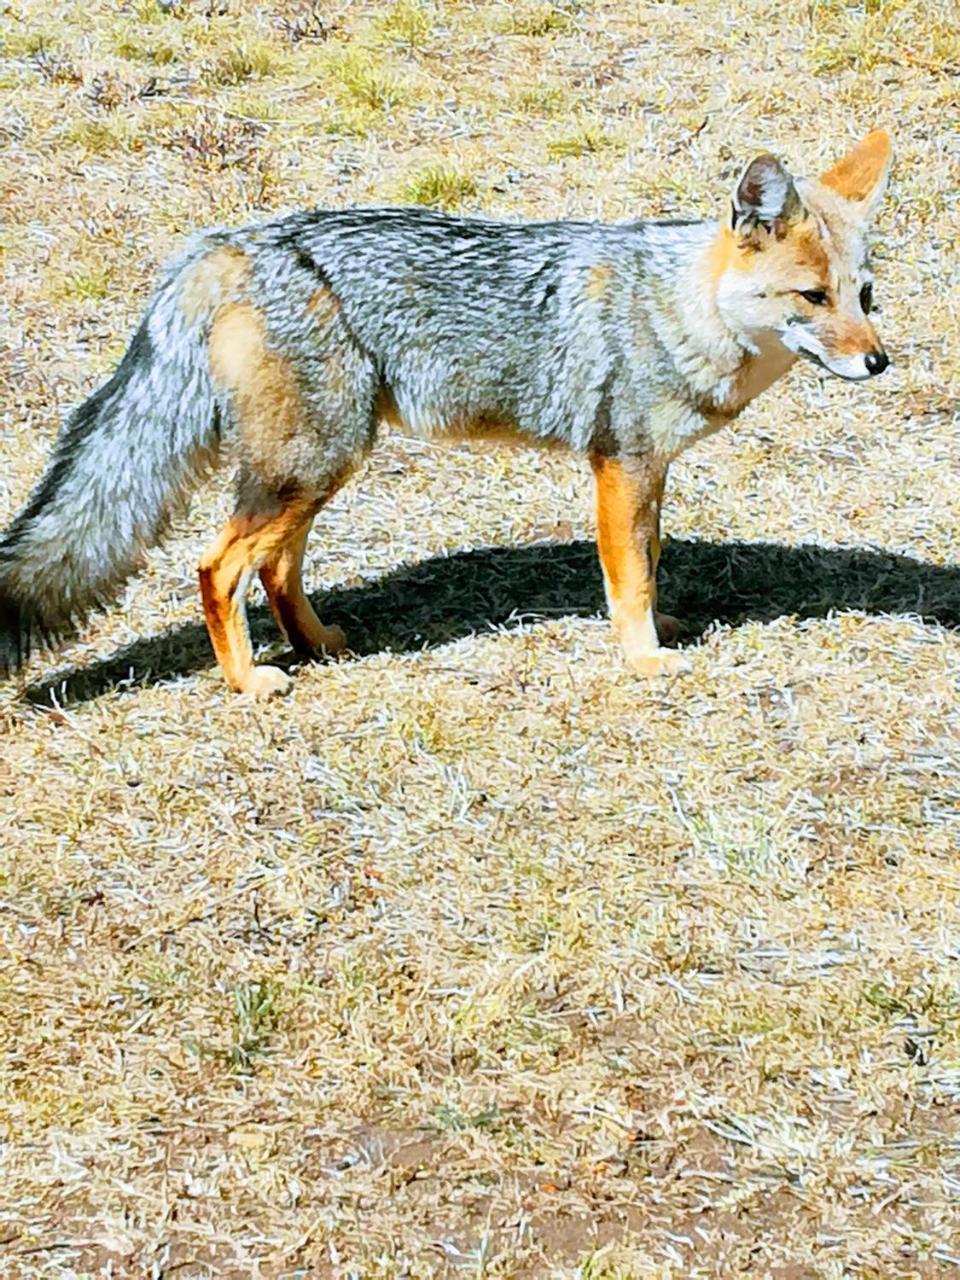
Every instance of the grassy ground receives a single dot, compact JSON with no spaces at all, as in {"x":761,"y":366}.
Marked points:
{"x":477,"y":955}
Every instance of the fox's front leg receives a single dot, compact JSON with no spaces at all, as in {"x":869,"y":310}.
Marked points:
{"x":629,"y":494}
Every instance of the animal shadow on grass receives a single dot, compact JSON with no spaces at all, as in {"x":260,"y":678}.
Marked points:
{"x":422,"y":605}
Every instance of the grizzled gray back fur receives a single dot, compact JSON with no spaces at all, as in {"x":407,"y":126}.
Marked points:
{"x":453,"y":321}
{"x":465,"y":320}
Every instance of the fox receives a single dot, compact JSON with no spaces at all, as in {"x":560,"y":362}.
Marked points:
{"x":287,"y":345}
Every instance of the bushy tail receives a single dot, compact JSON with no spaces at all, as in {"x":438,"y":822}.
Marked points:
{"x":123,"y":465}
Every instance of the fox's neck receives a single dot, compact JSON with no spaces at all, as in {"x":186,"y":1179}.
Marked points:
{"x":723,"y":370}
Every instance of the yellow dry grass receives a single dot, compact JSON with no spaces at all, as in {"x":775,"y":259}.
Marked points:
{"x":477,"y":956}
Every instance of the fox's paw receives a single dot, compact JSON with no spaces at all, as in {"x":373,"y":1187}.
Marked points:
{"x":331,"y":640}
{"x":266,"y":682}
{"x":661,"y":662}
{"x":312,"y":637}
{"x":668,"y":627}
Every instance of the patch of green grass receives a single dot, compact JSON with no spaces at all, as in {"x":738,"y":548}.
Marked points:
{"x":257,"y":108}
{"x":101,"y":137}
{"x":27,"y":43}
{"x":841,"y":54}
{"x":602,"y":1264}
{"x":860,"y":40}
{"x":256,"y":1013}
{"x":879,"y":995}
{"x":441,"y":186}
{"x":254,"y":1017}
{"x":452,"y":1119}
{"x":539,"y":19}
{"x":151,"y":11}
{"x":130,"y":42}
{"x":935,"y":1002}
{"x":858,"y":7}
{"x":536,"y":934}
{"x":361,"y":79}
{"x":90,"y":284}
{"x":407,"y":22}
{"x":945,"y":44}
{"x":543,"y":99}
{"x":246,"y":60}
{"x":585,"y":140}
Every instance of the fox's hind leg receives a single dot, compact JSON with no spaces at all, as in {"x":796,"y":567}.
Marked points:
{"x":298,"y":394}
{"x":248,"y":541}
{"x":281,"y":578}
{"x":629,"y":494}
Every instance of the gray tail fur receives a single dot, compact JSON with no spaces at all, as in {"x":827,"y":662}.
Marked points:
{"x":124,"y":464}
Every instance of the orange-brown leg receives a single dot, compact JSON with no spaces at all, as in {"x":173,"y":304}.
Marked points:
{"x":245,"y":544}
{"x":628,"y":538}
{"x":668,"y":627}
{"x":281,"y":578}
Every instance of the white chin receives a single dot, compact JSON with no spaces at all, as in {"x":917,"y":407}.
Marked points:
{"x":852,"y":368}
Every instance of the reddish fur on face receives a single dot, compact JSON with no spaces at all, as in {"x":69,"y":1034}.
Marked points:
{"x":844,"y":335}
{"x":799,"y":247}
{"x":806,"y":249}
{"x":761,"y":273}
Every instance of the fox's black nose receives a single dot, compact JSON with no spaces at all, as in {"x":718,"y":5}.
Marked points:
{"x":876,"y":361}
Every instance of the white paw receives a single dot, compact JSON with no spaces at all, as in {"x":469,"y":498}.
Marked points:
{"x":661,"y":662}
{"x":266,"y":682}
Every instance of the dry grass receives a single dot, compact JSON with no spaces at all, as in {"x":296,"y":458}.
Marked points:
{"x":476,"y":956}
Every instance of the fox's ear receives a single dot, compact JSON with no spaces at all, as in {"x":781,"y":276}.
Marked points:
{"x":764,"y":196}
{"x":861,"y":176}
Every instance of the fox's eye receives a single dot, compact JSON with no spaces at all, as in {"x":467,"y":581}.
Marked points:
{"x":866,"y":298}
{"x":817,"y":296}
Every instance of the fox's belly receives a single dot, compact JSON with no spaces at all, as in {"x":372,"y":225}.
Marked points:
{"x":458,"y":424}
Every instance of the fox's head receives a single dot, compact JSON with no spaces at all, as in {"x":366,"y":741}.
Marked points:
{"x":794,"y":261}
